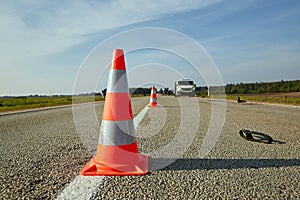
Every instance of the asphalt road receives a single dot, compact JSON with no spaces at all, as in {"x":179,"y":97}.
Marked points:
{"x":41,"y":152}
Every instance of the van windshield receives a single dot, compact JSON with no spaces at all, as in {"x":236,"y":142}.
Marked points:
{"x":185,"y":83}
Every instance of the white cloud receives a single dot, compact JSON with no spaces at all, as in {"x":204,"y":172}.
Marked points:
{"x":34,"y":32}
{"x":162,"y":46}
{"x":31,"y":29}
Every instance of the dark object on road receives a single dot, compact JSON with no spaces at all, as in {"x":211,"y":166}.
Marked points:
{"x":255,"y":136}
{"x":240,"y":101}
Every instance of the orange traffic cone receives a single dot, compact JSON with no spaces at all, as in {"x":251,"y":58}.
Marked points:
{"x":153,"y":98}
{"x":117,"y":151}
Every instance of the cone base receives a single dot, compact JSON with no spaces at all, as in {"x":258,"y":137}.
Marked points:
{"x":152,"y":105}
{"x":94,"y":168}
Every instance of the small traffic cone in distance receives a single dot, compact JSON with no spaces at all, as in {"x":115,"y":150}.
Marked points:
{"x":153,"y":97}
{"x":117,"y":151}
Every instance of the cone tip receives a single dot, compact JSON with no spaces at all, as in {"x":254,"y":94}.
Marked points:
{"x":118,"y":61}
{"x":119,"y":51}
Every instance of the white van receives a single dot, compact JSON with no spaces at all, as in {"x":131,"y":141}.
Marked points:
{"x":185,"y":87}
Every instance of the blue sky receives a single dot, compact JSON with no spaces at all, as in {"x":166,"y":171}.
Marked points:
{"x":44,"y":43}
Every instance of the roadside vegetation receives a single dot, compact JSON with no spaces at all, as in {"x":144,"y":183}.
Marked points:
{"x":279,"y":98}
{"x":263,"y":87}
{"x":21,"y":103}
{"x":282,"y":92}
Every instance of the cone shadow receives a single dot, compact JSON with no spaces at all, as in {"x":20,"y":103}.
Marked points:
{"x":210,"y":164}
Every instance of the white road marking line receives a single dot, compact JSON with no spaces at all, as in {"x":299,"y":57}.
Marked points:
{"x":139,"y":117}
{"x":82,"y":187}
{"x":86,"y":187}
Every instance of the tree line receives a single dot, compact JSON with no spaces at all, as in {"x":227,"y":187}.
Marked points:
{"x":252,"y":88}
{"x":263,"y":87}
{"x":232,"y":88}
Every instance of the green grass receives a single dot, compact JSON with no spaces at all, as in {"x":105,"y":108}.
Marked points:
{"x":269,"y":98}
{"x":265,"y":99}
{"x":21,"y":103}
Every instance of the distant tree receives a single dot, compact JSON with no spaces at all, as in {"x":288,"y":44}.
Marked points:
{"x":166,"y":90}
{"x":138,"y":91}
{"x":147,"y":91}
{"x":267,"y":87}
{"x":170,"y":92}
{"x":161,"y":91}
{"x":104,"y":92}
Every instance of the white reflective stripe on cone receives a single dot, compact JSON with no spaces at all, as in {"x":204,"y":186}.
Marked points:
{"x":117,"y":132}
{"x":117,"y":81}
{"x":152,"y":99}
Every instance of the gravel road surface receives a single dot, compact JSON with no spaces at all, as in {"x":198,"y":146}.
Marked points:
{"x":235,"y":168}
{"x":41,"y":153}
